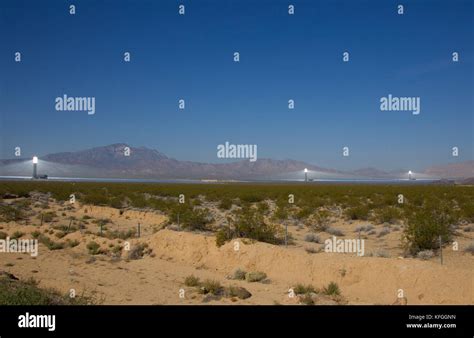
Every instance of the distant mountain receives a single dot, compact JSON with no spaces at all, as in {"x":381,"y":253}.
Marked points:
{"x":452,"y":170}
{"x":371,"y":172}
{"x":110,"y":162}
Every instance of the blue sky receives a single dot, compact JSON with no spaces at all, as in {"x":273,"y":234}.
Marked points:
{"x":282,"y":57}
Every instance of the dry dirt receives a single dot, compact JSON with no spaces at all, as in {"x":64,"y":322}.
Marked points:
{"x":158,"y":277}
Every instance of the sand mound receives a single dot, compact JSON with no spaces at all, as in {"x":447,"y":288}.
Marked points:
{"x":363,"y":280}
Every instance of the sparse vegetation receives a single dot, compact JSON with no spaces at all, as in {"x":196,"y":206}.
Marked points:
{"x":16,"y":292}
{"x":93,"y":248}
{"x":192,"y":281}
{"x":425,"y":254}
{"x":251,"y":224}
{"x":312,"y":238}
{"x":301,"y":289}
{"x":256,"y":276}
{"x":211,"y":286}
{"x":138,"y":251}
{"x":332,"y":289}
{"x":426,"y":225}
{"x":238,"y":274}
{"x":50,"y":244}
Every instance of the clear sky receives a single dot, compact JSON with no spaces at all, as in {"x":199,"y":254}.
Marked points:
{"x":283,"y":57}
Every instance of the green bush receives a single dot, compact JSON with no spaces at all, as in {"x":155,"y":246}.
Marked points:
{"x":51,"y":245}
{"x":388,"y":214}
{"x":191,"y":218}
{"x":191,"y":281}
{"x":138,"y":251}
{"x":93,"y":248}
{"x":17,"y":234}
{"x":15,"y":292}
{"x":9,"y":213}
{"x":360,"y":212}
{"x":425,"y":226}
{"x":332,"y":289}
{"x":301,"y":289}
{"x":251,"y":224}
{"x":211,"y":286}
{"x":225,"y":204}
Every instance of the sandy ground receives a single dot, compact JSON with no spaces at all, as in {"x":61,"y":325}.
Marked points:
{"x":158,"y":278}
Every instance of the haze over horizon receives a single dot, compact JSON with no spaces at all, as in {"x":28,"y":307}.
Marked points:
{"x":282,"y":57}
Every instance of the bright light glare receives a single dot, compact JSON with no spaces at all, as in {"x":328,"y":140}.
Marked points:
{"x":35,"y":159}
{"x":409,"y":172}
{"x":305,"y":170}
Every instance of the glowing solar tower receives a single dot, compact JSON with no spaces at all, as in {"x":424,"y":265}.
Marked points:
{"x":410,"y":175}
{"x":305,"y":174}
{"x":35,"y":165}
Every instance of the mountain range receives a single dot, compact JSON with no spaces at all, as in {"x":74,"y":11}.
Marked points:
{"x":110,"y":161}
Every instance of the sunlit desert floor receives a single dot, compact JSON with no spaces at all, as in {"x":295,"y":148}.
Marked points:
{"x":381,"y":276}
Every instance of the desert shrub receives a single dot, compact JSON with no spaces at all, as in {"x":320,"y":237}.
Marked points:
{"x":16,"y":292}
{"x":467,"y":212}
{"x":304,"y":212}
{"x":9,"y":213}
{"x":383,"y":232}
{"x":425,"y":226}
{"x":191,"y":218}
{"x":281,"y":213}
{"x":332,"y":289}
{"x":380,"y":253}
{"x":251,"y":224}
{"x":239,"y":292}
{"x":50,"y":244}
{"x":301,"y":289}
{"x":17,"y":234}
{"x":120,"y":234}
{"x":48,"y":216}
{"x":263,"y":207}
{"x":387,"y":214}
{"x":3,"y":235}
{"x":225,"y":204}
{"x":312,"y":250}
{"x":334,"y":232}
{"x":360,"y":212}
{"x":138,"y":251}
{"x":65,"y":228}
{"x":256,"y":276}
{"x":35,"y":234}
{"x":191,"y":281}
{"x":312,"y":238}
{"x":425,"y":254}
{"x":93,"y":248}
{"x":307,"y":299}
{"x":238,"y":274}
{"x":320,"y":220}
{"x":470,"y":248}
{"x":116,"y":202}
{"x":60,"y":234}
{"x":211,"y":286}
{"x":95,"y":197}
